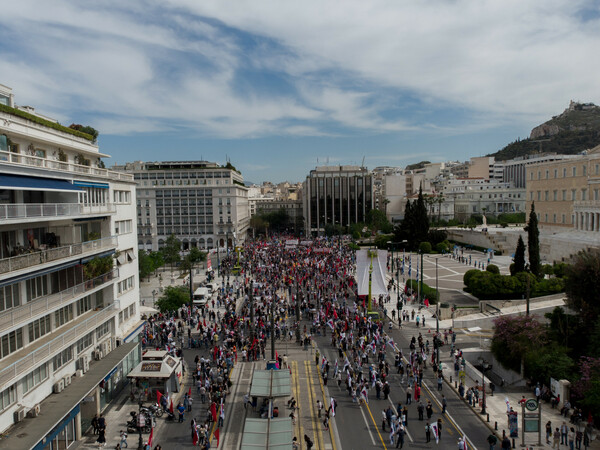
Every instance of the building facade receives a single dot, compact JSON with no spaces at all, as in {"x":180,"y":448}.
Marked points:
{"x":202,"y":203}
{"x":566,"y":192}
{"x":336,"y":195}
{"x":68,"y":280}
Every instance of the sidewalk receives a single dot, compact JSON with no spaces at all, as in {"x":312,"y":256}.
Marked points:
{"x":496,"y":405}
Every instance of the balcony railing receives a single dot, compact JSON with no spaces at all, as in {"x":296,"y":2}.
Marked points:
{"x":48,"y":350}
{"x":43,"y":256}
{"x":25,"y":312}
{"x":27,"y":160}
{"x":52,"y":210}
{"x":587,"y":204}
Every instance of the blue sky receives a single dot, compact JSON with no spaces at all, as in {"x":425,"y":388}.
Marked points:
{"x":279,"y":87}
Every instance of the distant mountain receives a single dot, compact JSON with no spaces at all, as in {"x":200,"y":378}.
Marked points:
{"x":575,"y":130}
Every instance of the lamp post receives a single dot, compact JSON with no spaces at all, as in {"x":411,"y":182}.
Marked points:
{"x":484,"y":366}
{"x":139,"y":424}
{"x":297,"y":313}
{"x":273,"y":298}
{"x":437,"y":313}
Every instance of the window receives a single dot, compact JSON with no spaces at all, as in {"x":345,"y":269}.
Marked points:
{"x":583,"y":194}
{"x":35,"y":378}
{"x":565,"y":172}
{"x":125,"y":285}
{"x":123,"y":226}
{"x":62,"y":358}
{"x":102,"y":330}
{"x":573,"y":194}
{"x":539,"y":174}
{"x":539,"y":195}
{"x":132,"y":309}
{"x":555,"y":173}
{"x":531,"y":196}
{"x":546,"y":195}
{"x":39,"y":328}
{"x":546,"y":217}
{"x":564,"y":195}
{"x":554,"y":218}
{"x":555,"y":195}
{"x":547,"y":174}
{"x":12,"y":342}
{"x":85,"y":342}
{"x":7,"y":397}
{"x":84,"y":305}
{"x":123,"y":197}
{"x":36,"y":287}
{"x":63,"y":315}
{"x":584,"y":168}
{"x":597,"y":169}
{"x":9,"y":297}
{"x":595,"y":194}
{"x":574,"y":171}
{"x":564,"y":218}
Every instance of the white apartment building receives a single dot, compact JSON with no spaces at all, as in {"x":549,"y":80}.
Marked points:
{"x":69,"y":316}
{"x":479,"y":195}
{"x":203,"y":204}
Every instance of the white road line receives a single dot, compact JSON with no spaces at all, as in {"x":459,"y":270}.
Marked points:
{"x":368,"y":425}
{"x":455,"y":423}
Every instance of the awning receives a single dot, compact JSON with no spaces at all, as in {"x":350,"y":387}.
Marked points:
{"x":135,"y":332}
{"x":90,"y":184}
{"x":19,"y":182}
{"x":268,"y":434}
{"x":271,"y":383}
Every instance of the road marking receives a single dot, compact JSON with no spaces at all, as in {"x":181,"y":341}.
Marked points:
{"x":318,"y":431}
{"x":331,"y":419}
{"x":297,"y":397}
{"x":367,"y":424}
{"x":376,"y":427}
{"x":312,"y":402}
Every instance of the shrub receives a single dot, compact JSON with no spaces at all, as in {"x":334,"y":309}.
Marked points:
{"x":468,"y":276}
{"x":511,"y":268}
{"x":425,"y":247}
{"x":492,"y":268}
{"x":560,"y":270}
{"x":428,"y":292}
{"x":441,"y":247}
{"x":547,"y":269}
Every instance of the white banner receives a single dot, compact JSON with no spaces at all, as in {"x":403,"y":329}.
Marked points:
{"x":363,"y":264}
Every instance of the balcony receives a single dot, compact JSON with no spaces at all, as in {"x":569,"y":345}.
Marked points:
{"x":44,"y":349}
{"x":33,"y":161}
{"x":38,"y":257}
{"x":42,"y":211}
{"x":24,"y":313}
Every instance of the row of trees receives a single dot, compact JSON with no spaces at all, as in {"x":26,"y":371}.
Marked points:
{"x":277,"y":221}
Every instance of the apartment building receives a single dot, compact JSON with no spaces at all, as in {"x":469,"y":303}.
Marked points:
{"x":69,"y":316}
{"x":336,"y":195}
{"x":203,"y":204}
{"x":566,"y":192}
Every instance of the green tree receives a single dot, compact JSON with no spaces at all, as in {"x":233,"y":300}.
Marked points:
{"x":145,"y":264}
{"x":421,"y":221}
{"x":173,"y":298}
{"x":191,"y":259}
{"x":533,"y":242}
{"x":492,"y":268}
{"x":520,"y":256}
{"x":157,"y":260}
{"x":583,"y":286}
{"x":171,"y":251}
{"x":377,"y":221}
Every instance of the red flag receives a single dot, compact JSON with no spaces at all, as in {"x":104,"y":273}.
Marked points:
{"x":213,"y":411}
{"x":190,"y":392}
{"x":217,"y":436}
{"x":195,"y":437}
{"x":171,"y":407}
{"x":199,"y":323}
{"x":158,"y":396}
{"x":150,"y":437}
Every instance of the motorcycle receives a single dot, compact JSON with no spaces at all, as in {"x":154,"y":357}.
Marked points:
{"x":155,"y":410}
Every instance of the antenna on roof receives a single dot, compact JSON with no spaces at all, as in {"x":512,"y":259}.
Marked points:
{"x":363,"y":162}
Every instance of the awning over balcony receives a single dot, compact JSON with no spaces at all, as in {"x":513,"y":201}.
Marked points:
{"x":18,"y":182}
{"x":90,"y":184}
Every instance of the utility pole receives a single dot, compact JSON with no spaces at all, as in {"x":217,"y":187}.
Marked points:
{"x":528,"y":288}
{"x":437,"y":315}
{"x":421,"y":281}
{"x":297,"y":313}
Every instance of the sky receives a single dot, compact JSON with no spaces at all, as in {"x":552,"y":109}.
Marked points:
{"x":279,"y":87}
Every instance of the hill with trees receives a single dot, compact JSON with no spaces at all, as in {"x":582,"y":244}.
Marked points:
{"x":575,"y":130}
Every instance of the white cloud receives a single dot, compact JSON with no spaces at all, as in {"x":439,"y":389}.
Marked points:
{"x":142,"y":66}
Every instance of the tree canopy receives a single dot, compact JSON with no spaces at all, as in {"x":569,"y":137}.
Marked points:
{"x":173,"y":298}
{"x":533,"y":242}
{"x":583,"y":286}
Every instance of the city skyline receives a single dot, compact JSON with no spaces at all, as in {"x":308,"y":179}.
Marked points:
{"x":281,"y":88}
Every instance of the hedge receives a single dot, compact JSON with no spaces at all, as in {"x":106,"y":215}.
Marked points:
{"x":44,"y":122}
{"x":428,"y":292}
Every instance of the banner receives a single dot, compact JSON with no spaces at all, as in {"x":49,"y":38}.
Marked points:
{"x":378,"y":281}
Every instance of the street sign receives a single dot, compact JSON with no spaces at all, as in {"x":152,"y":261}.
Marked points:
{"x":531,"y":404}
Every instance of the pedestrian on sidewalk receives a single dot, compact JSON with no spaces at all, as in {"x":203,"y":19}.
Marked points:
{"x":439,"y":429}
{"x":572,"y":438}
{"x":95,"y":423}
{"x":564,"y":429}
{"x":556,"y":438}
{"x":506,"y":442}
{"x":548,"y":431}
{"x":444,"y":404}
{"x":492,"y":441}
{"x":427,"y":432}
{"x":319,"y":408}
{"x":408,"y":395}
{"x":123,"y":442}
{"x":190,"y":401}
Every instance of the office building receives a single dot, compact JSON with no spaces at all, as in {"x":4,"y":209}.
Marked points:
{"x":336,"y":195}
{"x":69,"y":316}
{"x":203,"y":204}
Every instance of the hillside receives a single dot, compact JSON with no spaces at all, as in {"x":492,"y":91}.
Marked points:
{"x":575,"y":130}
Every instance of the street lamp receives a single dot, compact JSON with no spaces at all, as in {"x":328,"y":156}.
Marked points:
{"x":484,"y":366}
{"x":139,"y":423}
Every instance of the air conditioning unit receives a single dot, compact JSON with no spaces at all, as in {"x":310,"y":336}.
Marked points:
{"x":34,"y":412}
{"x":19,"y":414}
{"x":67,"y":380}
{"x":86,"y":364}
{"x":79,"y":373}
{"x":59,"y":386}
